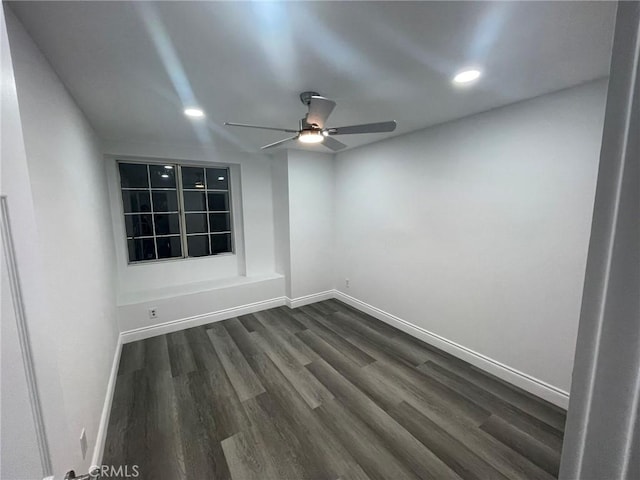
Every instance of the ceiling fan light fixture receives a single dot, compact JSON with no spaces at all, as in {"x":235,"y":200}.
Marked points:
{"x":310,"y":136}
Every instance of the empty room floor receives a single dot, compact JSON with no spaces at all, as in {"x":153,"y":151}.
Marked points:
{"x":320,"y":392}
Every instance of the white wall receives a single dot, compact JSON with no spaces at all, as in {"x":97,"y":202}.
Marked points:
{"x":477,"y":230}
{"x":169,"y":286}
{"x":311,"y":219}
{"x":280,"y":194}
{"x":19,"y":455}
{"x":74,"y":241}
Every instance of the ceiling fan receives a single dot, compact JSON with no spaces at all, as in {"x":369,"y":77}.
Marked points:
{"x":312,"y":127}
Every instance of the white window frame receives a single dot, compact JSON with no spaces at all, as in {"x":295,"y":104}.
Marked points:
{"x":181,"y":211}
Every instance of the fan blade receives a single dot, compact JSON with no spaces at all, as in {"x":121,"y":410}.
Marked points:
{"x":364,"y":128}
{"x":333,"y":144}
{"x":260,"y":126}
{"x":319,"y":110}
{"x":279,"y":142}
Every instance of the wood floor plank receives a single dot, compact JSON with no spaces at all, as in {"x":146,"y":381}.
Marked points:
{"x":244,"y":380}
{"x":371,"y":322}
{"x":379,"y":392}
{"x":527,"y":446}
{"x":292,"y":325}
{"x":180,"y":355}
{"x":277,"y":328}
{"x":244,"y":458}
{"x":313,"y":392}
{"x":324,"y":308}
{"x":356,"y":355}
{"x":397,"y":439}
{"x":131,"y":358}
{"x":267,"y":317}
{"x":162,"y":430}
{"x":362,"y":443}
{"x":144,"y":422}
{"x":412,"y":351}
{"x":203,"y":455}
{"x":243,"y":339}
{"x":502,"y":458}
{"x":156,"y":354}
{"x":550,"y":414}
{"x":313,"y":435}
{"x":202,"y":351}
{"x":361,"y":341}
{"x":214,"y":394}
{"x":391,"y":344}
{"x":250,"y":322}
{"x":119,"y":418}
{"x":456,"y":455}
{"x":279,"y":447}
{"x":524,"y":421}
{"x":425,"y":392}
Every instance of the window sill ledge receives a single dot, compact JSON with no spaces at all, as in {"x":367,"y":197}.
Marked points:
{"x":131,"y":298}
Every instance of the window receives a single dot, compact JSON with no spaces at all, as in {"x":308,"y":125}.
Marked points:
{"x":175,"y":211}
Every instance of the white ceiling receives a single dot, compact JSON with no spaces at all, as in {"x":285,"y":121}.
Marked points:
{"x":133,"y":66}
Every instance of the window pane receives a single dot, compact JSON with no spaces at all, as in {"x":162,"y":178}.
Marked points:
{"x":141,"y":249}
{"x":196,"y":222}
{"x":217,"y":179}
{"x":220,"y":243}
{"x":162,"y":177}
{"x":167,"y":224}
{"x":194,"y":202}
{"x":169,"y":247}
{"x":165,"y":201}
{"x":198,"y":245}
{"x":218,"y":201}
{"x":192,"y":177}
{"x":133,"y":175}
{"x":134,"y":201}
{"x":138,"y":225}
{"x":219,"y":222}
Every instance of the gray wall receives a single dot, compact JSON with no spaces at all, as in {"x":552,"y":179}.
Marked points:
{"x":311,"y":215}
{"x":74,"y":244}
{"x":19,"y":454}
{"x":477,"y":230}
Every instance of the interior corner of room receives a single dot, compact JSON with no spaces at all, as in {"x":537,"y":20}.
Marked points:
{"x":493,"y":229}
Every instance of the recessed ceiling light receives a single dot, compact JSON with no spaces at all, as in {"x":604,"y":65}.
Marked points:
{"x":220,"y":178}
{"x":165,"y":175}
{"x":169,"y":167}
{"x":310,"y":136}
{"x":467,"y":76}
{"x":194,"y":112}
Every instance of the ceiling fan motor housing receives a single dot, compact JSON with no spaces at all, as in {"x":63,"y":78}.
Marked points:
{"x":305,"y":97}
{"x":304,"y":125}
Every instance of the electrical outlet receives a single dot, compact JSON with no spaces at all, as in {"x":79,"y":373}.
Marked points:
{"x":153,"y":312}
{"x":83,"y":443}
{"x":346,"y":282}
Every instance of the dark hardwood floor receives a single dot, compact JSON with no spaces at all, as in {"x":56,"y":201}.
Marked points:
{"x":320,"y":392}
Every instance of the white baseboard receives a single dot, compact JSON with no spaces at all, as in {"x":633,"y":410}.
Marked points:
{"x":101,"y":437}
{"x":197,"y":320}
{"x":307,"y":299}
{"x":520,"y":379}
